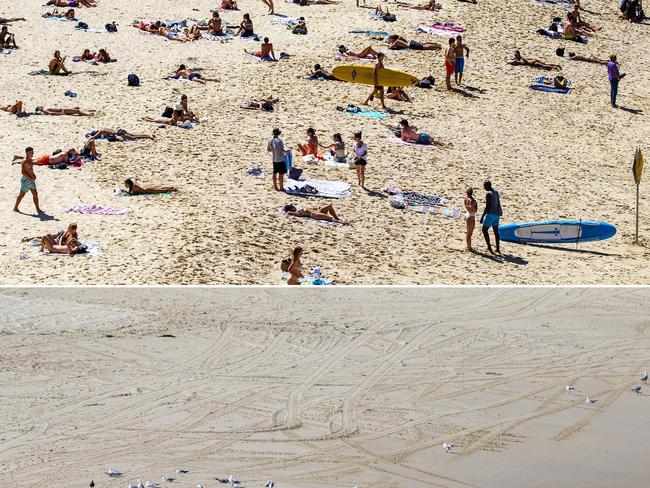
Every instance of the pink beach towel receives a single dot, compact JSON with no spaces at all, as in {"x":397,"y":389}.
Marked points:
{"x":97,"y":210}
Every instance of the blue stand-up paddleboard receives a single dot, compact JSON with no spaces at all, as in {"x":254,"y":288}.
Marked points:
{"x":557,"y":231}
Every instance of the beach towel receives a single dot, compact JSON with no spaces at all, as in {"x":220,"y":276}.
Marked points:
{"x":434,"y":210}
{"x":330,"y":162}
{"x":222,"y":38}
{"x":559,"y":35}
{"x":309,"y":219}
{"x":354,"y":110}
{"x":286,"y":21}
{"x":442,"y":30}
{"x":93,"y":30}
{"x":5,"y":51}
{"x":58,"y":19}
{"x":256,"y":171}
{"x":42,"y":72}
{"x":418,"y":198}
{"x":322,"y":188}
{"x":397,"y":140}
{"x":551,"y":89}
{"x":309,"y":280}
{"x":370,"y":33}
{"x":96,"y":210}
{"x":265,"y":60}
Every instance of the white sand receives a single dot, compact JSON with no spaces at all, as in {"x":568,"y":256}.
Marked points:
{"x":335,"y":389}
{"x":551,"y":156}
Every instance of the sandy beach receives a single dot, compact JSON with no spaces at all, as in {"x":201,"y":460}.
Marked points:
{"x":336,"y":388}
{"x":550,"y":156}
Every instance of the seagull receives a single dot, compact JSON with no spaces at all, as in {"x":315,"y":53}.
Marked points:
{"x":167,"y":478}
{"x":637,"y":389}
{"x":232,"y":480}
{"x":590,"y":401}
{"x":569,"y":388}
{"x":181,"y":471}
{"x":151,"y":484}
{"x":447,"y":447}
{"x":270,"y":484}
{"x":113,"y":473}
{"x":220,"y":480}
{"x":139,"y":485}
{"x":199,"y":486}
{"x":92,"y":484}
{"x":644,"y":376}
{"x":132,"y":486}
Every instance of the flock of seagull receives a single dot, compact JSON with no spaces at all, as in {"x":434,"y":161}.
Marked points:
{"x":446,"y":446}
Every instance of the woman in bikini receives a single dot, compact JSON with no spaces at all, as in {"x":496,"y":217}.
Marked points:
{"x":337,"y":149}
{"x":295,"y":267}
{"x":63,"y":111}
{"x":470,"y":217}
{"x":326,"y":213}
{"x":72,"y":247}
{"x":229,"y":5}
{"x":246,"y":27}
{"x":13,"y":109}
{"x":397,"y":93}
{"x":409,"y":133}
{"x":266,"y":104}
{"x":135,"y":189}
{"x":56,"y":65}
{"x":215,"y":26}
{"x":312,"y":144}
{"x":176,"y":119}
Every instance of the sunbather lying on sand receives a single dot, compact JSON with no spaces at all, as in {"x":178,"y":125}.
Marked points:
{"x":171,"y":35}
{"x":187,"y":74}
{"x":66,"y":157}
{"x":587,"y":59}
{"x":397,"y":93}
{"x":321,"y":73}
{"x":368,"y":53}
{"x":61,"y":238}
{"x":135,"y":189}
{"x":56,"y":65}
{"x":68,"y":14}
{"x":266,"y":104}
{"x":266,"y":51}
{"x":399,"y":42}
{"x":431,"y":5}
{"x":315,"y":2}
{"x":121,"y":133}
{"x":229,"y":5}
{"x":519,"y":60}
{"x":15,"y":19}
{"x":63,"y":111}
{"x":13,"y":109}
{"x":176,"y":119}
{"x":409,"y":133}
{"x":72,"y":247}
{"x":326,"y":213}
{"x":7,"y":39}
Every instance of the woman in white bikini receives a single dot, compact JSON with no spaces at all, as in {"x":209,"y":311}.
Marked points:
{"x":470,"y":217}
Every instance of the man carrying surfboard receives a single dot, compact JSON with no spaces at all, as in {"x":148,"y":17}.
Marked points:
{"x":491,"y":215}
{"x":377,"y":88}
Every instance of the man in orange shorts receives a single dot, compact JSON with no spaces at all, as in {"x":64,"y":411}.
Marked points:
{"x":450,"y":61}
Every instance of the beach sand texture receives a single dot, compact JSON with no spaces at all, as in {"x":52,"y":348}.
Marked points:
{"x":337,"y":389}
{"x":550,"y":156}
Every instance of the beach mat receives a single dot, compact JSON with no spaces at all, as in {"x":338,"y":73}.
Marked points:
{"x":96,"y":210}
{"x":435,"y":210}
{"x":550,"y":89}
{"x":325,"y":188}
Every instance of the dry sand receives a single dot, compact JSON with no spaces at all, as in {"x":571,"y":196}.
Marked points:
{"x":551,"y":156}
{"x":332,"y":388}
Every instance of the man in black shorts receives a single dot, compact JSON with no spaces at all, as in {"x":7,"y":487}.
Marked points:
{"x":276,"y":147}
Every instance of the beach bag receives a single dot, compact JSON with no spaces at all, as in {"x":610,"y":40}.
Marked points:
{"x":169,"y":111}
{"x":389,"y":18}
{"x":295,"y":173}
{"x":82,"y":25}
{"x":112,"y":27}
{"x":284,"y":265}
{"x":133,"y":80}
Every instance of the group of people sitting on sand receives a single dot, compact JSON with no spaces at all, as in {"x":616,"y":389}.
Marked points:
{"x":102,"y":56}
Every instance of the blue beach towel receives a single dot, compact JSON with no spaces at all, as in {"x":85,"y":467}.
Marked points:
{"x":370,"y":114}
{"x":288,"y":161}
{"x":369,"y":32}
{"x":552,"y":89}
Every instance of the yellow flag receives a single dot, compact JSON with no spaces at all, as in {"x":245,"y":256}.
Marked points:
{"x":637,"y":167}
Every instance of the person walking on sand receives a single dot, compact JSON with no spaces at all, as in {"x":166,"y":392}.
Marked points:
{"x":461,"y":51}
{"x":491,"y":215}
{"x":450,"y":61}
{"x":269,"y":4}
{"x":377,"y":89}
{"x":276,"y":147}
{"x":470,"y":217}
{"x":360,"y":159}
{"x":27,"y":178}
{"x":614,"y":76}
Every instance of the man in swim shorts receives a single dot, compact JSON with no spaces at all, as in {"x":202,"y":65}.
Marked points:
{"x":27,"y":178}
{"x":276,"y":147}
{"x":450,"y":62}
{"x":461,"y":50}
{"x":491,"y":215}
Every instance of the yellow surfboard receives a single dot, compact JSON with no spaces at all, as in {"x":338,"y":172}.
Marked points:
{"x":365,"y":76}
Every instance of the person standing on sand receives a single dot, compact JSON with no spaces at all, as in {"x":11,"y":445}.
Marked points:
{"x":360,"y":159}
{"x":491,"y":216}
{"x":276,"y":147}
{"x":461,"y":51}
{"x":470,"y":217}
{"x":377,"y":89}
{"x":450,"y":61}
{"x":27,"y":178}
{"x":614,"y":76}
{"x":269,"y":4}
